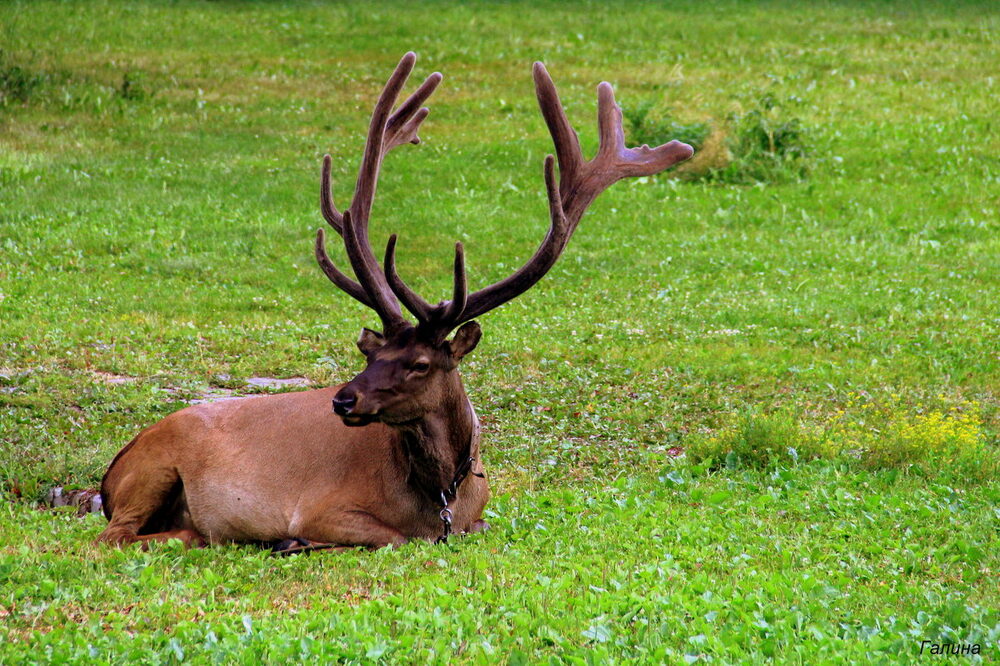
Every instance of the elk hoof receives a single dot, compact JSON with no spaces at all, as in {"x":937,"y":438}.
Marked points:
{"x":289,"y":546}
{"x":299,"y":545}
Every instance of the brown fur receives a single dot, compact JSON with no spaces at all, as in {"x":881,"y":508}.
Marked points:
{"x":268,"y":468}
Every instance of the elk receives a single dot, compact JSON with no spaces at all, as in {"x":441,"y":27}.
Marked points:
{"x":398,"y":456}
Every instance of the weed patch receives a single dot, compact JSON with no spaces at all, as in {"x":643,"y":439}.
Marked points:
{"x":873,"y":434}
{"x":885,"y":434}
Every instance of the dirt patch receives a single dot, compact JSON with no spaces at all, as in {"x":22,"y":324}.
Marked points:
{"x":275,"y":383}
{"x":213,"y":394}
{"x":112,"y":378}
{"x":251,"y":386}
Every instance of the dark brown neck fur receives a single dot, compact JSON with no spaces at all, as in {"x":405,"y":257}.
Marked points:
{"x":434,"y":445}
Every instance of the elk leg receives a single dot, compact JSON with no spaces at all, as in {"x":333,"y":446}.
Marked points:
{"x":146,"y":504}
{"x":121,"y":535}
{"x":351,"y":528}
{"x":189,"y":537}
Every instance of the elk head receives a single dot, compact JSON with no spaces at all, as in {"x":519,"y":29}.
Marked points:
{"x":412,"y":368}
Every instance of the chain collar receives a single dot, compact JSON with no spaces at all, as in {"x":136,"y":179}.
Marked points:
{"x":451,"y":492}
{"x":464,"y":468}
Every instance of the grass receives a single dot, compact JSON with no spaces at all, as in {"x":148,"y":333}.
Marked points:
{"x":158,"y":177}
{"x":797,"y":563}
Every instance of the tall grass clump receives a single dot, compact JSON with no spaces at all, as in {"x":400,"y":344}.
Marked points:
{"x":17,"y":81}
{"x":134,"y":86}
{"x":756,"y":440}
{"x":646,"y":126}
{"x":765,"y":145}
{"x":760,"y":144}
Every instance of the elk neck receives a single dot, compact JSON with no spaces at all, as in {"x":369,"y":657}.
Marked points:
{"x":438,"y":443}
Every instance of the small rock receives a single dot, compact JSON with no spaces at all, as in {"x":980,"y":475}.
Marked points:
{"x":274,"y":382}
{"x":85,"y":500}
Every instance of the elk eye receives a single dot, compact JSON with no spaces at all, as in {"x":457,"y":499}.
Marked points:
{"x":420,"y":366}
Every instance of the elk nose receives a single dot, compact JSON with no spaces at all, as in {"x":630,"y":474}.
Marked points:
{"x":343,"y":402}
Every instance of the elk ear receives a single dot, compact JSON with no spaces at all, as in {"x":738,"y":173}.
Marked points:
{"x":369,"y":341}
{"x":465,"y":340}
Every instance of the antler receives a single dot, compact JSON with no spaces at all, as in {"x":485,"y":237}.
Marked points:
{"x":384,"y":133}
{"x":580,"y":182}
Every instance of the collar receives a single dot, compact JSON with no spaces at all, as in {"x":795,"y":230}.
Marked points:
{"x":462,"y":471}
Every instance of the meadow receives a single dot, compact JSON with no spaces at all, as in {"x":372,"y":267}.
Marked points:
{"x":753,"y":414}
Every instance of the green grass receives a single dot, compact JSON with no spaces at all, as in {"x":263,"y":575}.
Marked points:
{"x":797,"y":563}
{"x":159,"y":170}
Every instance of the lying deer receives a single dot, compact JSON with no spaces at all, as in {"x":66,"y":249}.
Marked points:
{"x":398,"y":456}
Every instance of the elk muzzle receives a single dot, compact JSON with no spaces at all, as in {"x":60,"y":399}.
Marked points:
{"x":345,"y":405}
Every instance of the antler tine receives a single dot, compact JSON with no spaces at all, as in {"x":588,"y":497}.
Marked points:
{"x":611,"y":137}
{"x":441,"y":317}
{"x":417,"y":306}
{"x":329,"y":210}
{"x":336,"y":220}
{"x":402,"y":126}
{"x":335,"y":275}
{"x":614,"y":161}
{"x":565,"y":138}
{"x":383,"y":302}
{"x":453,"y":309}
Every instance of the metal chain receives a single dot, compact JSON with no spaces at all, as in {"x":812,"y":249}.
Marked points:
{"x":445,"y":516}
